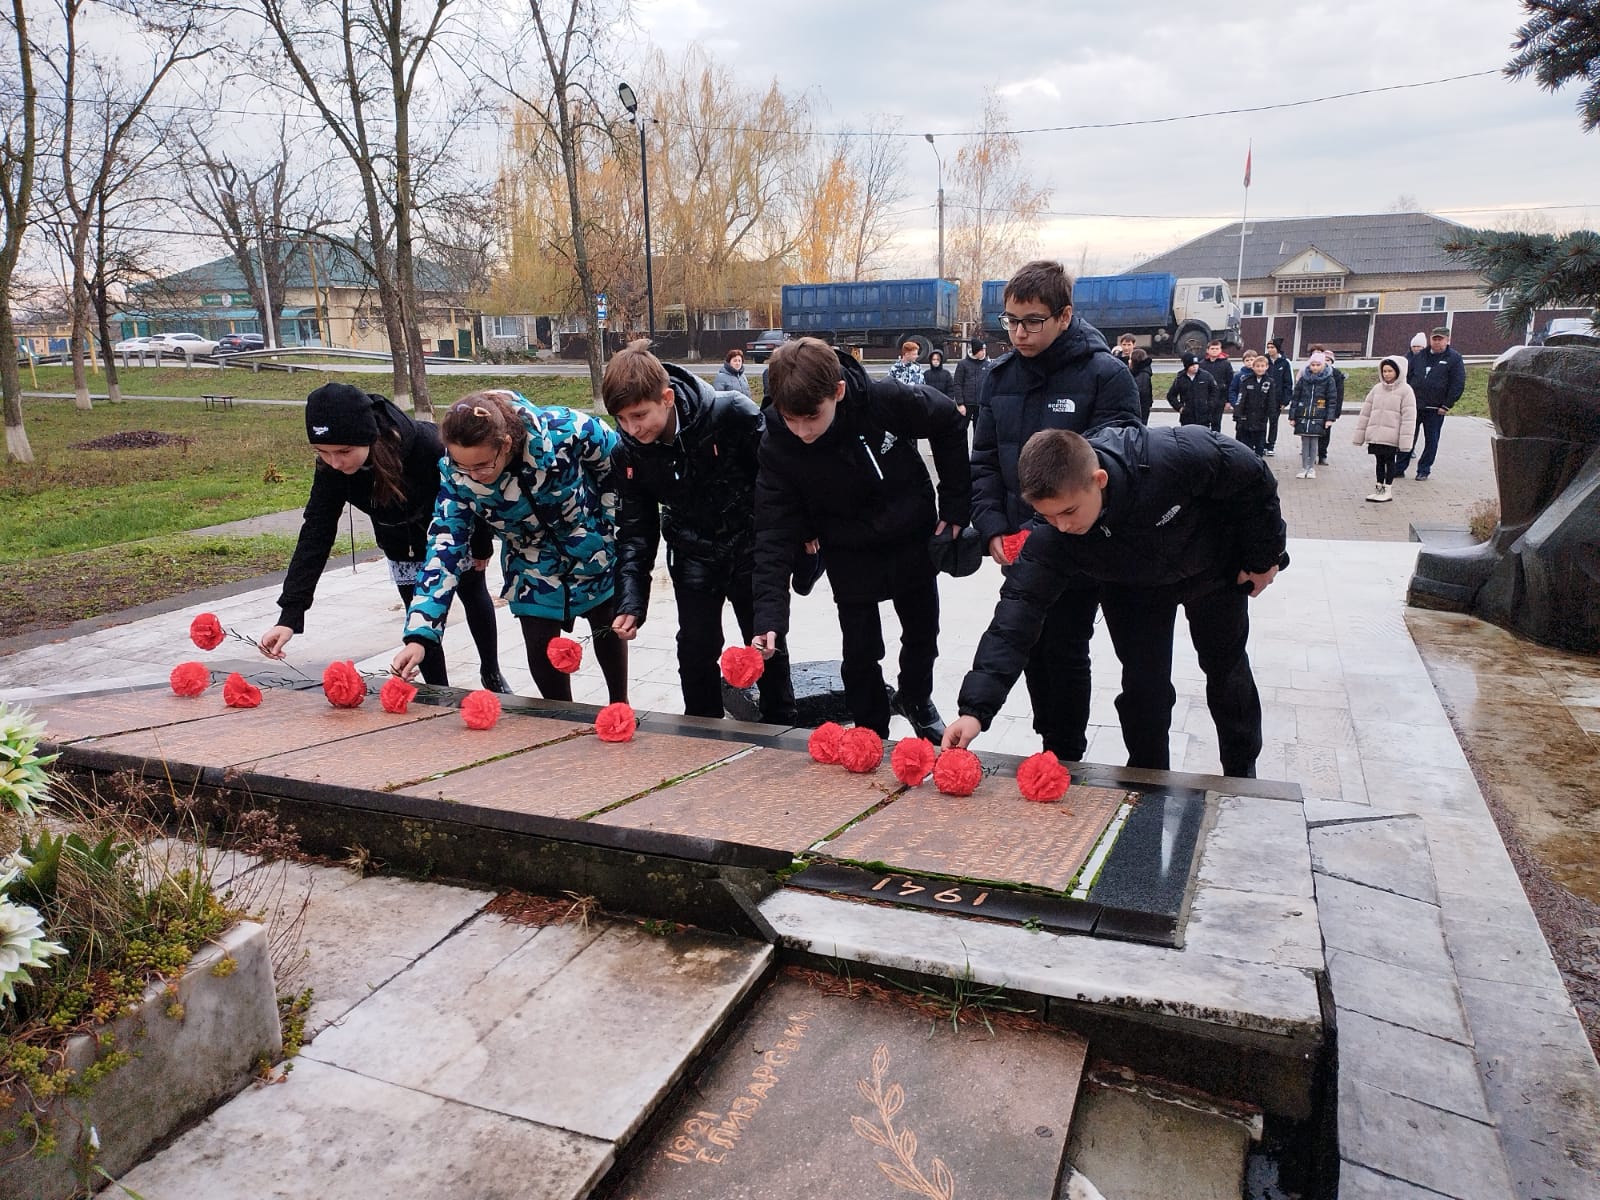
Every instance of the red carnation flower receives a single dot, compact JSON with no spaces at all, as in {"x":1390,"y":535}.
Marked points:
{"x":396,"y":695}
{"x":481,"y":709}
{"x":190,"y":678}
{"x":860,"y":750}
{"x":205,"y":631}
{"x":239,"y":692}
{"x":824,"y":742}
{"x":1042,"y":778}
{"x":1011,"y":544}
{"x":343,"y":686}
{"x":564,"y":654}
{"x":912,"y":760}
{"x":616,"y":723}
{"x":742,"y":665}
{"x":957,"y":773}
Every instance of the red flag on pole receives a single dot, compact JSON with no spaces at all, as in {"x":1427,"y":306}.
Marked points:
{"x":1247,"y":154}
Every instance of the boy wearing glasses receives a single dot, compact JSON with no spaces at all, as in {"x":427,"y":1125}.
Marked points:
{"x":840,"y":465}
{"x":1059,"y":374}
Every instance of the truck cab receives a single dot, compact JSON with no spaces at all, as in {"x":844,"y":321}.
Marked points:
{"x":1204,"y":308}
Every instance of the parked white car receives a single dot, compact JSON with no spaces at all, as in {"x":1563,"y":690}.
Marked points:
{"x":133,"y":346}
{"x":182,"y":345}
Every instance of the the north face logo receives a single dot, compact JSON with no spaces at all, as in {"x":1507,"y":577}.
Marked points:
{"x":1169,"y":514}
{"x":1063,"y":404}
{"x":888,"y":443}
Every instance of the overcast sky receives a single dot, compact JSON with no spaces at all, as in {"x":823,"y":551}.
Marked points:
{"x":1486,"y":143}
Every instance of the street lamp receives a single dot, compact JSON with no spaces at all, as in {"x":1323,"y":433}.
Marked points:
{"x":940,"y":161}
{"x":631,"y":103}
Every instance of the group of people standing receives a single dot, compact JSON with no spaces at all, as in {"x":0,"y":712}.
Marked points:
{"x":754,"y":503}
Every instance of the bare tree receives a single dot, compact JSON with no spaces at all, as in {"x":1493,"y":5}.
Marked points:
{"x":18,"y":148}
{"x":997,"y":207}
{"x":359,"y":62}
{"x":878,"y":156}
{"x":110,"y":150}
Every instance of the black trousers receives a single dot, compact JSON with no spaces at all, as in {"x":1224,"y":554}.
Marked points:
{"x":1141,"y":627}
{"x":1272,"y":428}
{"x":1058,"y":674}
{"x":1383,"y":462}
{"x":700,"y":643}
{"x":473,"y":592}
{"x":916,"y":603}
{"x":1322,"y":443}
{"x":1256,"y":439}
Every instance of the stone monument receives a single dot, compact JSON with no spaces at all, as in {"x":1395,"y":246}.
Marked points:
{"x":1539,"y":574}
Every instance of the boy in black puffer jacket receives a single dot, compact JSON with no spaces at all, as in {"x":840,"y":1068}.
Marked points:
{"x":1060,"y":375}
{"x":840,"y":466}
{"x":1159,"y":518}
{"x":687,"y":470}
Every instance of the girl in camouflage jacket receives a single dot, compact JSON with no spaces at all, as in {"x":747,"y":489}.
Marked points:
{"x":541,"y":479}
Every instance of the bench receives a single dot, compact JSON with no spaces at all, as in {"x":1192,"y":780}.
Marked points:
{"x":217,"y":400}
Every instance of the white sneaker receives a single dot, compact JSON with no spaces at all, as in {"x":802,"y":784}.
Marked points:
{"x":1385,"y":492}
{"x":1377,"y":493}
{"x":1270,"y":452}
{"x":1300,"y":474}
{"x":1312,"y":473}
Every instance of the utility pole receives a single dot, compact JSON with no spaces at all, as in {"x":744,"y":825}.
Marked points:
{"x":940,"y":159}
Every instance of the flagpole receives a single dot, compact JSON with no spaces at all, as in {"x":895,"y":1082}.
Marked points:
{"x":1238,"y":279}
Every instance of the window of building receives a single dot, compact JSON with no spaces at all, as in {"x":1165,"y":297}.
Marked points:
{"x":1496,"y":301}
{"x":505,"y":327}
{"x":1367,"y":303}
{"x":1253,"y":308}
{"x":1431,"y":304}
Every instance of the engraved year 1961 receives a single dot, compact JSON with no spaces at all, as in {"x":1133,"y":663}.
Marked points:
{"x":906,"y":886}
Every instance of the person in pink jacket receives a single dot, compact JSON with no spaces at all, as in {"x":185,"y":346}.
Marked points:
{"x":1388,"y":423}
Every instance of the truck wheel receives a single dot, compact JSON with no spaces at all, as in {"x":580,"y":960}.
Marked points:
{"x":1192,"y":339}
{"x":924,"y":345}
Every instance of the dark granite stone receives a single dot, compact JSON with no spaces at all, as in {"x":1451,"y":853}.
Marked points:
{"x":1144,"y":888}
{"x":818,"y":696}
{"x":830,"y":1091}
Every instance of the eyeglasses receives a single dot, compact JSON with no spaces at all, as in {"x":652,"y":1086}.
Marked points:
{"x":492,"y":466}
{"x":1031,"y":323}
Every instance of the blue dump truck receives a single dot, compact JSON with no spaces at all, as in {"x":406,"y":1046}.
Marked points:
{"x":879,"y":315}
{"x":1165,"y":314}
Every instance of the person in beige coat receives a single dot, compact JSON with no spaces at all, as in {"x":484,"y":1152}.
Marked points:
{"x":1388,"y":423}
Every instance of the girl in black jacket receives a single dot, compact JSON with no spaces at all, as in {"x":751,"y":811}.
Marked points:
{"x":373,"y":457}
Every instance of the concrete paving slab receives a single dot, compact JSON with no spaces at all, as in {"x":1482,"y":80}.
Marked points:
{"x":585,"y":1030}
{"x":1362,"y":1183}
{"x":768,"y":797}
{"x":331,"y":1134}
{"x":1394,"y":929}
{"x":1434,"y":1149}
{"x":1135,"y":1147}
{"x":823,"y":1093}
{"x":993,"y":834}
{"x":1391,"y":855}
{"x":1420,"y":1000}
{"x":1499,"y":942}
{"x":578,"y":777}
{"x":393,"y":758}
{"x":359,"y":933}
{"x":1258,"y":846}
{"x":1224,"y":993}
{"x":1429,"y":1069}
{"x":1255,"y":927}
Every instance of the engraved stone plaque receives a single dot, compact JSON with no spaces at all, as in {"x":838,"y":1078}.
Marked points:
{"x":839,"y":1091}
{"x":985,"y":836}
{"x":71,"y":718}
{"x":578,"y":777}
{"x":285,"y":721}
{"x":769,"y":797}
{"x":392,"y":758}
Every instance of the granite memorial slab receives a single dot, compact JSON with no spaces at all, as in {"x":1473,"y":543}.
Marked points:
{"x":767,"y":797}
{"x":994,"y":903}
{"x":1146,"y":881}
{"x":578,"y":777}
{"x":284,"y":722}
{"x":985,"y":836}
{"x":393,"y":758}
{"x":832,"y":1090}
{"x":73,"y":718}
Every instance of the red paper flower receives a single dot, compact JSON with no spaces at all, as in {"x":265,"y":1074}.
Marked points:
{"x":860,"y":750}
{"x":824,"y":742}
{"x":190,"y":678}
{"x":742,"y":665}
{"x":396,"y":694}
{"x":205,"y":631}
{"x":239,"y":692}
{"x":564,"y":654}
{"x":957,"y":773}
{"x":912,"y":760}
{"x":1011,"y":544}
{"x":343,"y":686}
{"x":1042,"y":778}
{"x":481,"y":709}
{"x":616,"y":723}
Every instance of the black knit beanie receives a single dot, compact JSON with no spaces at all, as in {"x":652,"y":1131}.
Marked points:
{"x":340,"y":415}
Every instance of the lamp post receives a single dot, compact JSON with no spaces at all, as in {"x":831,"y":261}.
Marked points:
{"x":940,"y":159}
{"x":631,"y":103}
